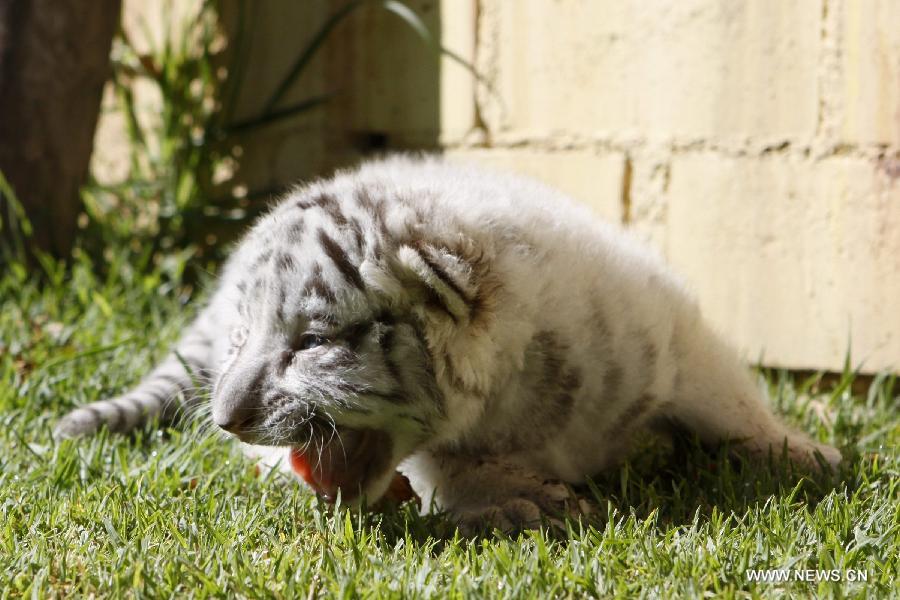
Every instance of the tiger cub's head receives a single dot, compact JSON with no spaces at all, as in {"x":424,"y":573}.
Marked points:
{"x":334,"y":353}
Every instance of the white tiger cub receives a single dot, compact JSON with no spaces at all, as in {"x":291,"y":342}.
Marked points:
{"x":479,"y":332}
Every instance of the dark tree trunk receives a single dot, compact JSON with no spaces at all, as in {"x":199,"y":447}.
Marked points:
{"x":54,"y":60}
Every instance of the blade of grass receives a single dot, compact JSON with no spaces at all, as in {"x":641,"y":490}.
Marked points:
{"x":412,"y":19}
{"x":60,"y":360}
{"x":18,"y":224}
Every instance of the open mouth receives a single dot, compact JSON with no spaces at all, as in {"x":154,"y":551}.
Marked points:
{"x":349,"y":462}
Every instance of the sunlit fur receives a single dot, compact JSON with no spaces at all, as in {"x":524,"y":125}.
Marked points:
{"x":501,"y":334}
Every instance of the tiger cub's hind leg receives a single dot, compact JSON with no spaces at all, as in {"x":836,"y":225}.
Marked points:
{"x":159,"y":395}
{"x":717,"y":398}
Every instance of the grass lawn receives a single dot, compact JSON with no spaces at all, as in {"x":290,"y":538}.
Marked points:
{"x":181,"y":513}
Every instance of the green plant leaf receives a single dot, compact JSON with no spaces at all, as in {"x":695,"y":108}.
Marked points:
{"x":309,"y":52}
{"x":301,"y":107}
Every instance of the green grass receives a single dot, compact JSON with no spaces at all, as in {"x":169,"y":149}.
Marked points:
{"x":182,"y":513}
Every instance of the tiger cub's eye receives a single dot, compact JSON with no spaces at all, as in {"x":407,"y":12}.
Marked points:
{"x":309,"y":341}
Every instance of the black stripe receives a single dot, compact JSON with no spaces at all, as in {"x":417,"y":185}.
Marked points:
{"x":142,"y":401}
{"x":262,"y":257}
{"x":320,"y":317}
{"x":418,"y":420}
{"x":296,"y":229}
{"x":285,"y":262}
{"x":386,"y":343}
{"x":633,"y":412}
{"x":433,"y":390}
{"x":373,"y":208}
{"x":96,"y":414}
{"x":282,"y":300}
{"x":650,"y":353}
{"x":316,"y":285}
{"x":341,"y":260}
{"x":441,"y":274}
{"x":612,"y":381}
{"x":436,"y":301}
{"x":392,"y":398}
{"x":120,"y":415}
{"x":356,"y":333}
{"x":332,"y":209}
{"x":356,"y":228}
{"x":327,"y":203}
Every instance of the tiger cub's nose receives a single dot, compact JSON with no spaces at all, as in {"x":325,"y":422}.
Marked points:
{"x":236,"y":423}
{"x":236,"y":401}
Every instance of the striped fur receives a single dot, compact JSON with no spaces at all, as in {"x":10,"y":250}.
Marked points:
{"x":158,"y":396}
{"x":481,"y":320}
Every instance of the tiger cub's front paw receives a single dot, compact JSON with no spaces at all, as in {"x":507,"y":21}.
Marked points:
{"x":549,"y":504}
{"x":509,"y":516}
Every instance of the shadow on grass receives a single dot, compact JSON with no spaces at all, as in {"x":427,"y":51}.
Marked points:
{"x":676,"y":483}
{"x":682,"y":481}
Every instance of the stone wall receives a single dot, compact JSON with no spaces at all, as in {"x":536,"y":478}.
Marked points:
{"x":755,"y":144}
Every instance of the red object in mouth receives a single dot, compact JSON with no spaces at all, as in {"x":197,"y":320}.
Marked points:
{"x":399,"y":490}
{"x":302,"y":468}
{"x":348,"y":464}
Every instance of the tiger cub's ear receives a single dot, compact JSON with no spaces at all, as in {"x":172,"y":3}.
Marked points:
{"x":438,"y":278}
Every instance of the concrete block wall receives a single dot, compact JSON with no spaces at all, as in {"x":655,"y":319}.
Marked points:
{"x":755,"y":144}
